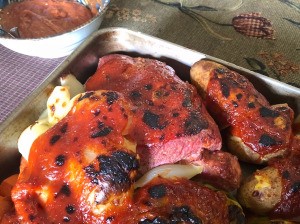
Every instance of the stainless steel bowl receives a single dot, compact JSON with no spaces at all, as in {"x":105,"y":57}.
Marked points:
{"x":60,"y":45}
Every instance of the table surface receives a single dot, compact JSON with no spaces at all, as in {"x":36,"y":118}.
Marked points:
{"x":262,"y":36}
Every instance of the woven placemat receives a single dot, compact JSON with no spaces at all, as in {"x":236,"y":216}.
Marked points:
{"x":20,"y":76}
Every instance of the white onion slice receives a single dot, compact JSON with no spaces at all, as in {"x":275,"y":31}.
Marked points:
{"x":30,"y":134}
{"x":59,"y":104}
{"x":74,"y":85}
{"x":44,"y":115}
{"x":169,"y":171}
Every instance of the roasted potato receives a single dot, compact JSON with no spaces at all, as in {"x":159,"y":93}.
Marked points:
{"x":245,"y":153}
{"x":261,"y":191}
{"x":275,"y":190}
{"x":257,"y":131}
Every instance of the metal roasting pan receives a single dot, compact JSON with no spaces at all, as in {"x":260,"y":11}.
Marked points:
{"x":83,"y":63}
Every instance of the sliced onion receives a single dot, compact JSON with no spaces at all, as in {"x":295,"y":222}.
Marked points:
{"x":169,"y":171}
{"x":29,"y":135}
{"x":43,"y":115}
{"x":74,"y":85}
{"x":58,"y":104}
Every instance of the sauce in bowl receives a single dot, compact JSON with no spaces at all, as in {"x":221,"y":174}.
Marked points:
{"x":42,"y":18}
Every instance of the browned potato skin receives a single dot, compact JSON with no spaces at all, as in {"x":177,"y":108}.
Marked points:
{"x":200,"y":75}
{"x":235,"y":104}
{"x":261,"y":191}
{"x":244,"y":153}
{"x":275,"y":190}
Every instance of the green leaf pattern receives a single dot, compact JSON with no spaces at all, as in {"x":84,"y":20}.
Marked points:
{"x":248,"y":24}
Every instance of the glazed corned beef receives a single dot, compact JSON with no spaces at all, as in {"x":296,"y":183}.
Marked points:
{"x":171,"y":123}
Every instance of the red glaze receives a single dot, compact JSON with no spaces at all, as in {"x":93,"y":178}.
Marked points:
{"x":220,"y":169}
{"x":166,"y":107}
{"x":233,"y":101}
{"x":289,"y":170}
{"x":79,"y":171}
{"x":179,"y":201}
{"x":170,"y":122}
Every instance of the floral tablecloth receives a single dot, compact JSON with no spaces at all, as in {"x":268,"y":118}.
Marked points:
{"x":263,"y":36}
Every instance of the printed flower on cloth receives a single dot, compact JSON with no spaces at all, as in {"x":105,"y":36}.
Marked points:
{"x":253,"y":25}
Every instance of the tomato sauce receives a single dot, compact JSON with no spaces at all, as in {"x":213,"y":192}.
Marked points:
{"x":289,"y":169}
{"x":36,"y":18}
{"x":233,"y":101}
